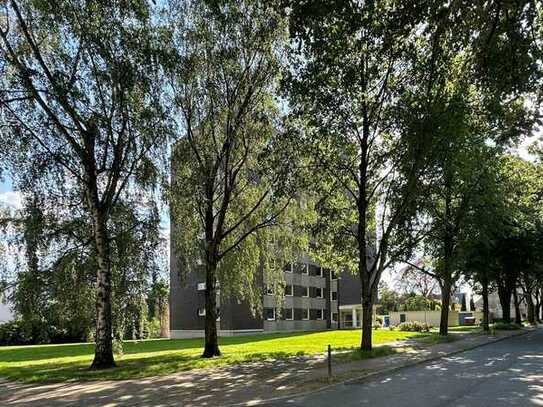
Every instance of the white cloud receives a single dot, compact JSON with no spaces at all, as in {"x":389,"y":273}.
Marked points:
{"x":5,"y":312}
{"x":11,"y":199}
{"x":522,"y":150}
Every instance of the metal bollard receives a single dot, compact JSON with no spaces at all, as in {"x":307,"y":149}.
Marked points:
{"x":329,"y":363}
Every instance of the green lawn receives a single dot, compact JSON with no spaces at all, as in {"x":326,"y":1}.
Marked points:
{"x":161,"y":356}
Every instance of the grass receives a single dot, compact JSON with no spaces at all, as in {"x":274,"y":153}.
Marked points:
{"x":506,"y":326}
{"x":53,"y":363}
{"x":358,"y":354}
{"x":435,"y":339}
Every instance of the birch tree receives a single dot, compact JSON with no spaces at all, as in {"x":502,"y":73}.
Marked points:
{"x":231,"y":195}
{"x":78,"y":100}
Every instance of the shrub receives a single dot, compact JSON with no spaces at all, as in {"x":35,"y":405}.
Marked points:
{"x":35,"y":331}
{"x":506,"y":326}
{"x":13,"y":333}
{"x":118,"y":347}
{"x":414,"y":326}
{"x":153,"y":328}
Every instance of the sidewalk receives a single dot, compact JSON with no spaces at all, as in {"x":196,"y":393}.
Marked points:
{"x":247,"y":384}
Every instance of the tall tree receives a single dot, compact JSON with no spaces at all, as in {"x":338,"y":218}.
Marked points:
{"x":412,"y":280}
{"x":348,"y":71}
{"x":489,"y":212}
{"x":457,"y":180}
{"x":78,"y":100}
{"x":471,"y":110}
{"x":230,"y":174}
{"x":52,"y":286}
{"x":481,"y":264}
{"x":520,"y":235}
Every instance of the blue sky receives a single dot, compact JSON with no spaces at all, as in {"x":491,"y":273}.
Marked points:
{"x":5,"y":186}
{"x":7,"y":196}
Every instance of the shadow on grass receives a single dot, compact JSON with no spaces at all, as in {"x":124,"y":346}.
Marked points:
{"x":364,"y":354}
{"x":54,"y":363}
{"x":44,"y":352}
{"x":136,"y":368}
{"x":133,"y":368}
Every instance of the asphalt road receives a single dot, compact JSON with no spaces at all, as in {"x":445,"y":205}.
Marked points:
{"x":506,"y":373}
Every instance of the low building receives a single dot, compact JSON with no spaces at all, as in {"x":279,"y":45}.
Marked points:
{"x":433,"y":317}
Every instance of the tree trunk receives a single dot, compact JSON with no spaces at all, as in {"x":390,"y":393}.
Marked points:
{"x":367,"y":314}
{"x":103,"y":354}
{"x":486,"y":312}
{"x":211,"y":347}
{"x":165,"y":320}
{"x":518,"y":317}
{"x":367,"y":303}
{"x":505,"y":302}
{"x":445,"y":303}
{"x":531,"y":307}
{"x":446,"y":282}
{"x":537,"y":305}
{"x":362,"y":207}
{"x":528,"y":294}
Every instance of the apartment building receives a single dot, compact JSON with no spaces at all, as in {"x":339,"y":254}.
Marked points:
{"x":316,"y":298}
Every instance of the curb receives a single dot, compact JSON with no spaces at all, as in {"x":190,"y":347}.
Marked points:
{"x":364,"y":377}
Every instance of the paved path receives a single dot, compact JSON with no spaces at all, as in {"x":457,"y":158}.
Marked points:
{"x":505,"y":373}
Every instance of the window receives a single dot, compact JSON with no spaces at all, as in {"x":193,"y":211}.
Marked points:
{"x":318,"y":292}
{"x":201,"y":312}
{"x":334,"y":295}
{"x":288,"y":268}
{"x":319,"y":313}
{"x":289,"y":314}
{"x":320,"y":272}
{"x":314,"y":270}
{"x":306,"y":292}
{"x":305,"y":314}
{"x":270,"y":314}
{"x":402,"y":317}
{"x":202,"y":286}
{"x":334,"y":316}
{"x":305,"y":269}
{"x":289,"y":290}
{"x":333,"y":275}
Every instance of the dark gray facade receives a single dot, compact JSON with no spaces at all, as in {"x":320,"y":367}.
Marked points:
{"x":313,"y":295}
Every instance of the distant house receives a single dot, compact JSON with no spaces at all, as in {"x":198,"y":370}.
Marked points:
{"x":495,"y":307}
{"x":433,"y":317}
